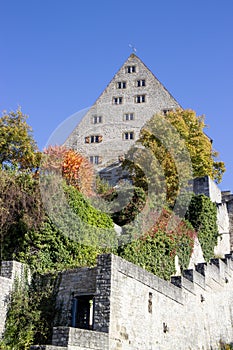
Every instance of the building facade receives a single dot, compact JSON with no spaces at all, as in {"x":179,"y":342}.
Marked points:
{"x":113,"y":123}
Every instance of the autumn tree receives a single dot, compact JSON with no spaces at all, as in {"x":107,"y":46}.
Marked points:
{"x":17,"y":146}
{"x":178,"y":150}
{"x":71,"y":165}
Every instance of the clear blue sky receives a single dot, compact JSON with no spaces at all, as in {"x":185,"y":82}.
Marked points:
{"x":57,"y":56}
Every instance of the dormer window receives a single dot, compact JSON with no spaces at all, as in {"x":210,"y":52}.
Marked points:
{"x":131,"y":69}
{"x":121,"y":85}
{"x":117,"y":100}
{"x":140,"y":83}
{"x":140,"y":98}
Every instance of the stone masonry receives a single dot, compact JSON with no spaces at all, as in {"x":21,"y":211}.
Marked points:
{"x":110,"y":119}
{"x":9,"y":271}
{"x":205,"y":185}
{"x":137,"y":310}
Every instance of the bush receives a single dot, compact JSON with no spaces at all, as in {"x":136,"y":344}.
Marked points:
{"x":155,"y":250}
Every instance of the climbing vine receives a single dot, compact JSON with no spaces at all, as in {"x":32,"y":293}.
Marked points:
{"x":202,"y":214}
{"x":31,"y":312}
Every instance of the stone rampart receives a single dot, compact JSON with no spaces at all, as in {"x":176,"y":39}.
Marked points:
{"x":137,"y":310}
{"x":193,"y":311}
{"x":9,"y":271}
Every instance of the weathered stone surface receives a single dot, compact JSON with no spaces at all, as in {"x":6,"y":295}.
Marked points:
{"x":113,"y":126}
{"x":135,"y":309}
{"x":9,"y":271}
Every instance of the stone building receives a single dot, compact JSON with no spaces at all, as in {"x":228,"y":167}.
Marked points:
{"x":117,"y":305}
{"x":113,"y":123}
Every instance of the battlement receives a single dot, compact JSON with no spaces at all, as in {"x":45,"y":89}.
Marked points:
{"x":134,"y":309}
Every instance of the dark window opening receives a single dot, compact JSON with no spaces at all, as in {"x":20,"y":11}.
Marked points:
{"x":141,"y":82}
{"x":166,"y":111}
{"x":150,"y":303}
{"x":121,"y":85}
{"x":97,"y":119}
{"x":128,"y":136}
{"x":130,"y":69}
{"x":95,"y":160}
{"x":82,"y":312}
{"x":96,"y":138}
{"x":117,"y":100}
{"x":140,"y":98}
{"x":129,"y":116}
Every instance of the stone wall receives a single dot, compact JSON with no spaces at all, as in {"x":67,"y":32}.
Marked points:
{"x":193,"y":312}
{"x":138,"y":310}
{"x":73,"y":283}
{"x":205,"y":185}
{"x":9,"y":271}
{"x":228,"y":199}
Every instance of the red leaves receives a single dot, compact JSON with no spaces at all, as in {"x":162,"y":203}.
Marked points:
{"x":71,"y":165}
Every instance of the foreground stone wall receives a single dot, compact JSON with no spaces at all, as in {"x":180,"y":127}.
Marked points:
{"x":195,"y":311}
{"x":9,"y":271}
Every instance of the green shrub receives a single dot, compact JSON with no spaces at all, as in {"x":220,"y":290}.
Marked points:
{"x":155,"y":250}
{"x":31,"y":313}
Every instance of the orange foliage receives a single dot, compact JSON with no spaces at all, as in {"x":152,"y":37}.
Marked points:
{"x":73,"y":167}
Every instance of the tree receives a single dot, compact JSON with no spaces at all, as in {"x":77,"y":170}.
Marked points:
{"x":71,"y":165}
{"x":179,"y":150}
{"x":17,"y":146}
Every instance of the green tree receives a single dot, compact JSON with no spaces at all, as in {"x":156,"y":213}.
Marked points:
{"x":17,"y":146}
{"x":176,"y":149}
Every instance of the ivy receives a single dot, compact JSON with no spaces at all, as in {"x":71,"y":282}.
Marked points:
{"x":31,"y":312}
{"x":202,"y":214}
{"x":155,"y":250}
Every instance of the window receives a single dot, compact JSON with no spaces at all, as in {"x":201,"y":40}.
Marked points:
{"x":140,"y":98}
{"x":150,"y":303}
{"x":93,"y":139}
{"x":117,"y":100}
{"x":165,"y":111}
{"x":82,"y":312}
{"x":131,"y":69}
{"x":128,"y":135}
{"x":121,"y":85}
{"x":97,"y":119}
{"x":141,"y":82}
{"x":96,"y":138}
{"x":128,"y":116}
{"x":95,"y":160}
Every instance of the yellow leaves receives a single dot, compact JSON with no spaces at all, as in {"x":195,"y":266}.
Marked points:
{"x":17,"y":146}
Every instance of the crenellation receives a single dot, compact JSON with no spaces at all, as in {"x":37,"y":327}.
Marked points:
{"x":195,"y":277}
{"x":184,"y":283}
